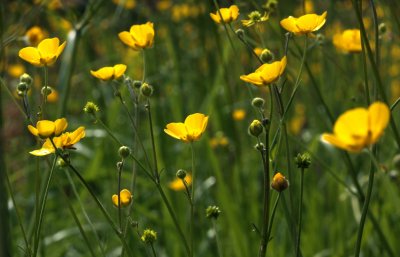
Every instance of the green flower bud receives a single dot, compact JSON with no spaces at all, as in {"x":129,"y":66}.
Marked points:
{"x":258,"y":102}
{"x":137,"y":84}
{"x":212,"y":212}
{"x":61,"y":163}
{"x":303,"y":161}
{"x":26,"y":78}
{"x":124,"y":152}
{"x":239,"y":32}
{"x":146,"y":90}
{"x":256,"y":128}
{"x":382,"y":28}
{"x":149,"y":236}
{"x":91,"y":108}
{"x":266,"y":56}
{"x":396,"y":161}
{"x":20,"y":93}
{"x":320,"y":38}
{"x":46,"y":90}
{"x":181,"y":174}
{"x":23,"y":87}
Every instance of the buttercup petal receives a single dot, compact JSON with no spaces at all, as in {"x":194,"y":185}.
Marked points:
{"x":31,"y":55}
{"x":119,"y":70}
{"x":378,"y":118}
{"x":177,"y":130}
{"x":48,"y":47}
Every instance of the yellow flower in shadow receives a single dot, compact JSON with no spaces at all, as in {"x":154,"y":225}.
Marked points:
{"x":46,"y":128}
{"x":359,"y":127}
{"x":125,"y":198}
{"x":109,"y":73}
{"x":348,"y":41}
{"x":45,"y":54}
{"x":304,"y":24}
{"x":228,"y":14}
{"x":35,"y":35}
{"x":177,"y":183}
{"x":238,"y":114}
{"x":64,"y":141}
{"x":139,"y":36}
{"x":191,"y":130}
{"x":254,"y":18}
{"x":266,"y":73}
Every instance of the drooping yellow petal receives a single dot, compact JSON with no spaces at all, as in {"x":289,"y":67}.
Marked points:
{"x":60,"y":49}
{"x":33,"y":130}
{"x":333,"y":140}
{"x":289,"y":24}
{"x":253,"y":78}
{"x":42,"y":152}
{"x":176,"y":130}
{"x":378,"y":115}
{"x":31,"y":55}
{"x":119,"y":70}
{"x":126,"y":38}
{"x":105,"y":73}
{"x":178,"y":185}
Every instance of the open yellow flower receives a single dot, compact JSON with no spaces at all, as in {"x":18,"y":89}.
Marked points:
{"x":359,"y":127}
{"x":254,"y":18}
{"x":45,"y":54}
{"x":194,"y":126}
{"x":109,"y":73}
{"x":46,"y":128}
{"x":228,"y":14}
{"x":266,"y":73}
{"x":125,"y":198}
{"x":64,"y":141}
{"x":304,"y":24}
{"x":348,"y":41}
{"x":139,"y":36}
{"x":177,"y":183}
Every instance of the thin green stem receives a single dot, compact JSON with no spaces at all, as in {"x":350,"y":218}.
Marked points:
{"x":46,"y":82}
{"x":76,"y":219}
{"x":109,"y":132}
{"x":366,"y":203}
{"x":120,"y":165}
{"x":144,"y":66}
{"x":153,"y":250}
{"x":300,"y":213}
{"x":218,"y":241}
{"x":278,"y":197}
{"x":266,"y":192}
{"x":193,"y":202}
{"x":42,"y":208}
{"x":394,"y":104}
{"x":153,"y":144}
{"x":27,"y":117}
{"x":224,"y":24}
{"x":174,"y":219}
{"x":28,"y":249}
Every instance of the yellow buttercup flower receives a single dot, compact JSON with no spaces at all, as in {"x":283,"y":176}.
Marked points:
{"x":139,"y":36}
{"x":64,"y":141}
{"x":45,"y":54}
{"x":125,"y":198}
{"x":304,"y":24}
{"x":177,"y":184}
{"x":228,"y":14}
{"x":266,"y":73}
{"x":359,"y":127}
{"x":46,"y":128}
{"x":348,"y":41}
{"x":109,"y":73}
{"x":191,"y":130}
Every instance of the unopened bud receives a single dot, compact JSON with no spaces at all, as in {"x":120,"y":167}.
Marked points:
{"x":258,"y":102}
{"x":46,"y":90}
{"x":146,"y":90}
{"x":256,"y":128}
{"x":149,"y":236}
{"x":124,"y":152}
{"x":279,"y":182}
{"x":23,"y":87}
{"x":26,"y":78}
{"x":382,"y":28}
{"x":212,"y":212}
{"x":303,"y":161}
{"x":181,"y":174}
{"x":239,"y":32}
{"x":266,"y":56}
